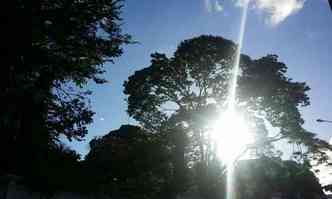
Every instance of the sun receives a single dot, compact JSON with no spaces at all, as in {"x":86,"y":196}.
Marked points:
{"x":231,"y":135}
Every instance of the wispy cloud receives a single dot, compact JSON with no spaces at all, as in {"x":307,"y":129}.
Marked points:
{"x":218,"y":6}
{"x":277,"y":10}
{"x":213,"y":6}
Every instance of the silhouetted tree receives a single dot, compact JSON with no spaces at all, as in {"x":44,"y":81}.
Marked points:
{"x":59,"y":169}
{"x":259,"y":179}
{"x":129,"y":162}
{"x":328,"y":187}
{"x":189,"y":88}
{"x":70,"y":42}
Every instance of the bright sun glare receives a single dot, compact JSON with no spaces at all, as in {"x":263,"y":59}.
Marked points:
{"x":231,"y":135}
{"x":230,"y":132}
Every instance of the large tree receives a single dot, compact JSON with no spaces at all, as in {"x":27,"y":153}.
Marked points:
{"x":70,"y":42}
{"x":262,"y":178}
{"x":191,"y":87}
{"x":129,"y":162}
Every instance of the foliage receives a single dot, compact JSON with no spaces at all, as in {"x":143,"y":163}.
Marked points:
{"x":189,"y":88}
{"x":173,"y":79}
{"x":328,"y":187}
{"x":59,"y":170}
{"x":268,"y":92}
{"x":70,"y":42}
{"x":129,"y":162}
{"x":266,"y":176}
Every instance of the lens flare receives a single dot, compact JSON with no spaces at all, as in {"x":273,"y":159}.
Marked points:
{"x":236,"y":67}
{"x":231,"y":192}
{"x":231,"y":135}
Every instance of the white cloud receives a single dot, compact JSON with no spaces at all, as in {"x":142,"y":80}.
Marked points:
{"x":218,"y":6}
{"x":213,"y":6}
{"x":102,"y":119}
{"x":277,"y":10}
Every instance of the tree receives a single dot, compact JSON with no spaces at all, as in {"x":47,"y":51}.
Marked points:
{"x":190,"y":88}
{"x":60,"y":169}
{"x":70,"y":42}
{"x":328,"y":187}
{"x":267,"y":176}
{"x":129,"y":162}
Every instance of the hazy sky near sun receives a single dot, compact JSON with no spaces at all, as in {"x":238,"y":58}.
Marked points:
{"x":299,"y":31}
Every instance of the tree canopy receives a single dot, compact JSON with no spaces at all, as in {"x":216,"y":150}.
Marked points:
{"x":196,"y":80}
{"x":189,"y":88}
{"x":267,"y":176}
{"x":41,"y":81}
{"x":129,"y":162}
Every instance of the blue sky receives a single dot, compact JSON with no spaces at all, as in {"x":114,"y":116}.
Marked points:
{"x":303,"y":40}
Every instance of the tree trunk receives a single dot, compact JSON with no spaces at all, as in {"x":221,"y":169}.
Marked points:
{"x":179,"y":161}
